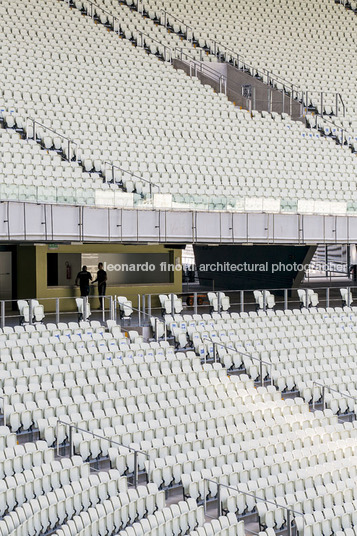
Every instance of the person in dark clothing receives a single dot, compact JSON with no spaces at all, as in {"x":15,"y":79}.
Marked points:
{"x":82,"y":279}
{"x":102,"y":283}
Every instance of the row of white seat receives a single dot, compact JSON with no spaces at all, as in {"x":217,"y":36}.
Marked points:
{"x":306,"y":483}
{"x":49,"y":511}
{"x":180,"y":518}
{"x":24,"y":486}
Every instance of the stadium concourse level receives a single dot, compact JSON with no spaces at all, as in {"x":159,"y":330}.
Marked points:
{"x":309,"y":45}
{"x":109,"y":424}
{"x":112,"y":97}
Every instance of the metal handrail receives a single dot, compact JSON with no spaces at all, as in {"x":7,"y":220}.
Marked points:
{"x":271,"y":77}
{"x":72,"y":425}
{"x":254,"y":496}
{"x":165,"y":14}
{"x":114,"y":167}
{"x":332,"y":389}
{"x":261,"y":362}
{"x":69,"y":141}
{"x":343,"y":131}
{"x":199,"y":66}
{"x":241,"y":64}
{"x":115,"y":19}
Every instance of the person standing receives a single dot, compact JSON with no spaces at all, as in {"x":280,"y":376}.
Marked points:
{"x":102,"y":283}
{"x":82,"y":279}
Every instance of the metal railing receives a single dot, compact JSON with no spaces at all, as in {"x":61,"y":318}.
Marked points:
{"x":106,"y":311}
{"x":333,"y":390}
{"x":67,"y":148}
{"x":115,"y":23}
{"x":219,"y":50}
{"x":72,"y":426}
{"x":254,"y":358}
{"x":113,"y":167}
{"x":339,"y":133}
{"x":290,"y":512}
{"x":199,"y":67}
{"x":166,"y":19}
{"x":196,"y":301}
{"x":338,"y":108}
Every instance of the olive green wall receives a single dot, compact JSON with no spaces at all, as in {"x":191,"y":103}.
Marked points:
{"x":130,"y":291}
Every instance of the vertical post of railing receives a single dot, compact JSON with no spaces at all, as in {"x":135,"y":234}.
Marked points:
{"x":3,"y":313}
{"x":336,"y":101}
{"x":57,"y":437}
{"x":71,"y":453}
{"x":84,"y":302}
{"x":57,"y":310}
{"x":322,"y":103}
{"x":288,"y":522}
{"x":103,"y":309}
{"x":219,"y":302}
{"x":139,"y":309}
{"x":205,"y":495}
{"x":69,"y":151}
{"x":111,"y":301}
{"x":306,"y":298}
{"x":149,"y":304}
{"x":215,"y":352}
{"x":269,"y":91}
{"x":195,"y":303}
{"x":261,"y":373}
{"x":136,"y":479}
{"x":30,"y":312}
{"x":172,"y":304}
{"x":307,"y":100}
{"x":156,"y":330}
{"x":34,"y":129}
{"x":283,"y":101}
{"x":219,"y":505}
{"x":285,"y":299}
{"x":323,"y":398}
{"x":264,"y":300}
{"x":328,"y":297}
{"x":242,"y":301}
{"x":291,"y":100}
{"x":143,"y":308}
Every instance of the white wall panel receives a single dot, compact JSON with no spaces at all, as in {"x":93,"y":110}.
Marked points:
{"x":285,"y":228}
{"x":313,"y":229}
{"x":208,"y":227}
{"x":352,"y":229}
{"x":178,"y":226}
{"x":17,"y":221}
{"x":129,"y":225}
{"x":115,"y":225}
{"x":149,"y":226}
{"x":4,"y":217}
{"x":95,"y":224}
{"x":341,"y":229}
{"x":240,"y":228}
{"x":37,"y":222}
{"x":259,"y":228}
{"x":227,"y":227}
{"x":66,"y":223}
